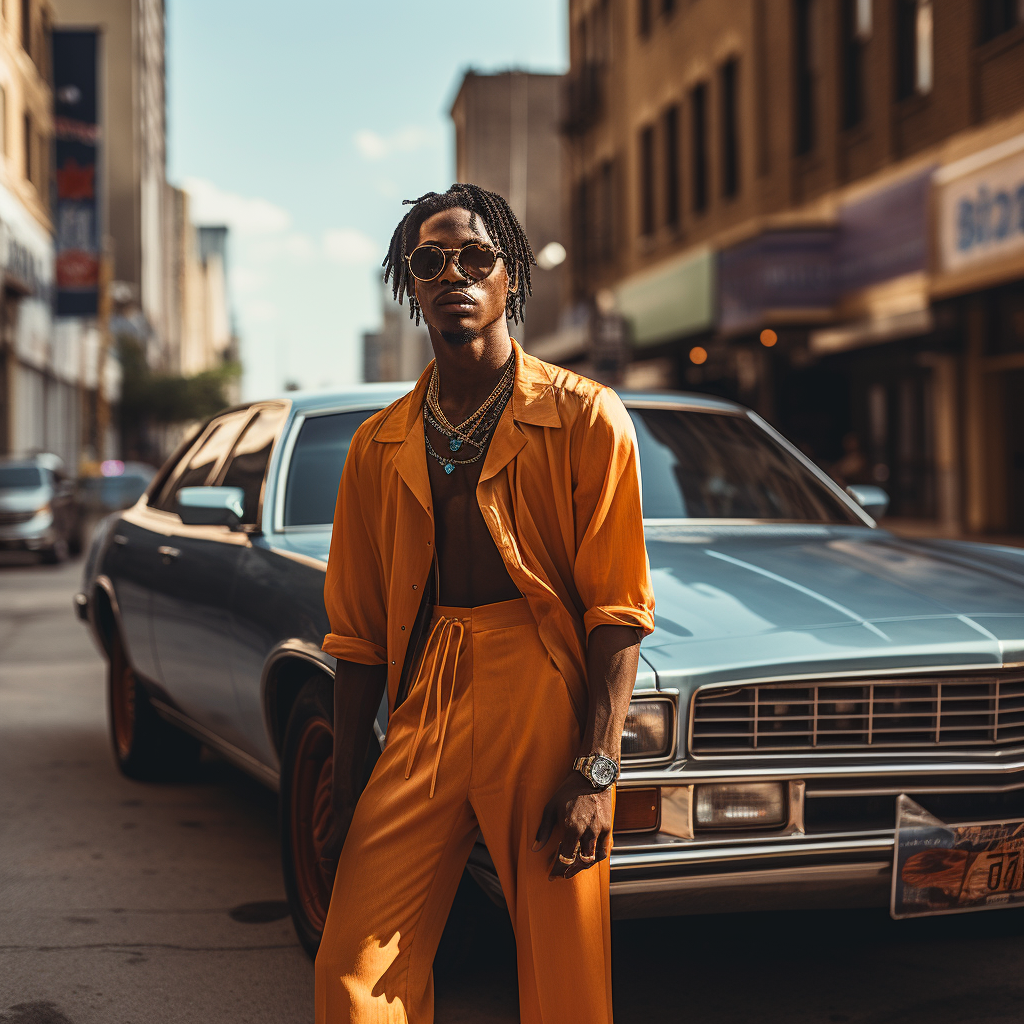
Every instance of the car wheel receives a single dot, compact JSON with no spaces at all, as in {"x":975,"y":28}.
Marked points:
{"x":306,"y":763}
{"x":145,"y":746}
{"x":306,"y":766}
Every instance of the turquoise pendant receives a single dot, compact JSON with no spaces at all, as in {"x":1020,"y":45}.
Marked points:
{"x":455,"y":443}
{"x":449,"y":467}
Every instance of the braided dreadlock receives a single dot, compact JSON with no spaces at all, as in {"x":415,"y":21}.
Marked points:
{"x":501,"y":223}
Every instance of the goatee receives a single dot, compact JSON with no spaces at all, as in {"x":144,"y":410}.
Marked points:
{"x":460,"y":336}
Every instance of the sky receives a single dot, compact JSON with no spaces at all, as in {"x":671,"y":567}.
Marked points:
{"x":303,"y":126}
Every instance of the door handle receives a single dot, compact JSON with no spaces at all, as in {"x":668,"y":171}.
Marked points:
{"x":168,"y":554}
{"x":120,"y":538}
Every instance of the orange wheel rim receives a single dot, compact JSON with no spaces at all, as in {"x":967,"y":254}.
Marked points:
{"x":122,"y":705}
{"x":311,"y":818}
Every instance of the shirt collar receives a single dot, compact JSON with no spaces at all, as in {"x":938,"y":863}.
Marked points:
{"x":533,"y":399}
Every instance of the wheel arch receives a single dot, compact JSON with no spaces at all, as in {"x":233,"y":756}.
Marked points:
{"x":289,"y":666}
{"x":104,"y":614}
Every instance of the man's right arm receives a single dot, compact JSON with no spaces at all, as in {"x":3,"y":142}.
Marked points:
{"x":358,"y":690}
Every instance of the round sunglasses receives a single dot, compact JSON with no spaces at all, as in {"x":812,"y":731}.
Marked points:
{"x":474,"y":260}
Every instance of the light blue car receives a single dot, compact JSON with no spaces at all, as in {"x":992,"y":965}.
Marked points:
{"x":807,"y":667}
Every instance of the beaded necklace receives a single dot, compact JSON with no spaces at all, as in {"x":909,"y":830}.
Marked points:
{"x":476,"y":429}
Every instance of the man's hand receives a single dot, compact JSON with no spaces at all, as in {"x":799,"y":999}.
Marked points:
{"x":583,"y":817}
{"x":338,"y":823}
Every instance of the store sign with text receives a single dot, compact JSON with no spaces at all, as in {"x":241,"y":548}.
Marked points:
{"x":981,"y":208}
{"x":77,"y":146}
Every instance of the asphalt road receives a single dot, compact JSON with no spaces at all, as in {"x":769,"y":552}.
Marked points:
{"x":126,"y":903}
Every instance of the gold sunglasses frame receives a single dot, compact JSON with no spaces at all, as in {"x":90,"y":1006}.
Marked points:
{"x":444,"y":266}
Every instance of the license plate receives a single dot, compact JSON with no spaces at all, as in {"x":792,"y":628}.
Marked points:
{"x":943,"y":868}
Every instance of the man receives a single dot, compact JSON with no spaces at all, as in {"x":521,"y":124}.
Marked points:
{"x":488,"y":566}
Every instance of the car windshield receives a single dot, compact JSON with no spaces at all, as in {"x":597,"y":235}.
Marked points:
{"x":20,"y":478}
{"x":695,"y":465}
{"x":705,"y":465}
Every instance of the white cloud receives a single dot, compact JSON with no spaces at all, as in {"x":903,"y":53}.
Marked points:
{"x":299,"y":247}
{"x":246,"y":215}
{"x":245,"y":280}
{"x":375,"y":147}
{"x":261,"y":310}
{"x":350,"y":246}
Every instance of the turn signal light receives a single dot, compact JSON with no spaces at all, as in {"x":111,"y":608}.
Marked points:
{"x":739,"y":805}
{"x":637,"y":810}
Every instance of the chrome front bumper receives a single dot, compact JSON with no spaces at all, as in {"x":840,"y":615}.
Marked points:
{"x":32,"y":535}
{"x":803,"y":865}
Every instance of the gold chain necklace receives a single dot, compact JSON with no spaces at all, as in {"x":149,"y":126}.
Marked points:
{"x":462,"y":432}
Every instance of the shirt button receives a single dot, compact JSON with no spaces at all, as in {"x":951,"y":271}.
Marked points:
{"x":414,"y":586}
{"x":392,"y":663}
{"x":403,"y":627}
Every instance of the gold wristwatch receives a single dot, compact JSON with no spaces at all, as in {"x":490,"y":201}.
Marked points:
{"x":600,"y":771}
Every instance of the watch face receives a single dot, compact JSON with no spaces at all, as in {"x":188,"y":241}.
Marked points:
{"x":603,"y":771}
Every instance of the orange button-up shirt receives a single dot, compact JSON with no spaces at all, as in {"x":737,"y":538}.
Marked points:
{"x":559,"y":491}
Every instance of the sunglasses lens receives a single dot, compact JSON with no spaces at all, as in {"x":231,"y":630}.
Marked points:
{"x":476,"y":261}
{"x":426,"y":262}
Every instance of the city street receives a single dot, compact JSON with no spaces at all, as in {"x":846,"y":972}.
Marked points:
{"x":122,"y":902}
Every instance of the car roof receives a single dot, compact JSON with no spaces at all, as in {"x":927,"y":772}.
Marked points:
{"x":384,"y":394}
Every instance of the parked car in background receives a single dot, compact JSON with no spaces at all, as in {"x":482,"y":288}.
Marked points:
{"x":117,"y":485}
{"x":807,"y":667}
{"x":38,"y":510}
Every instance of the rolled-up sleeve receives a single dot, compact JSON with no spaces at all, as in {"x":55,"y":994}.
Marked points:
{"x":612,"y":574}
{"x":354,"y":588}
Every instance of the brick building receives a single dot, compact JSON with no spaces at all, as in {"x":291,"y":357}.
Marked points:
{"x":817,"y":207}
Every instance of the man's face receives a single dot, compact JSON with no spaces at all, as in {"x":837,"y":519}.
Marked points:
{"x":459,"y":308}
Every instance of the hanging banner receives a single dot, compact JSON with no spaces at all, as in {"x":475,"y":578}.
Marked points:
{"x":77,"y":157}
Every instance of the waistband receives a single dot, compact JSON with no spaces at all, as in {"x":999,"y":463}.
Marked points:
{"x":500,"y":615}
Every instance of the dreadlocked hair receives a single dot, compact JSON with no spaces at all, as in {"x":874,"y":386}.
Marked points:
{"x":501,"y":223}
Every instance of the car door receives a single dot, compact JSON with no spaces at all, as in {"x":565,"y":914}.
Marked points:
{"x":191,"y":591}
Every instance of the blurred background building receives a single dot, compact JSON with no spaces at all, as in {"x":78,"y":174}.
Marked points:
{"x":817,"y":207}
{"x":97,"y":249}
{"x":400,"y":350}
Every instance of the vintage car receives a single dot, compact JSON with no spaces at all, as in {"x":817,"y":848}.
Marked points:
{"x":807,"y":667}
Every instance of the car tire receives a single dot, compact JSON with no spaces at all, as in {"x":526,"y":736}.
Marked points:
{"x":145,"y":747}
{"x":306,"y":761}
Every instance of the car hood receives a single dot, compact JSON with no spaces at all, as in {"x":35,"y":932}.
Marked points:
{"x":755,"y":601}
{"x":748,"y":601}
{"x":23,"y":499}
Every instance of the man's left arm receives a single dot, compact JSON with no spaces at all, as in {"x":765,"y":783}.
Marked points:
{"x":583,"y":814}
{"x":614,"y":585}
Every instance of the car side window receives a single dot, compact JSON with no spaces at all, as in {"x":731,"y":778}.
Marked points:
{"x":200,"y":462}
{"x":315,"y":469}
{"x":248,"y":463}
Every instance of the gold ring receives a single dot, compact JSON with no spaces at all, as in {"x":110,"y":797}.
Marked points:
{"x":566,"y":860}
{"x":588,"y":860}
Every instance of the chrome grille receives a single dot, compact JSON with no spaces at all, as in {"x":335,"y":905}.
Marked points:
{"x":954,"y":711}
{"x":14,"y":518}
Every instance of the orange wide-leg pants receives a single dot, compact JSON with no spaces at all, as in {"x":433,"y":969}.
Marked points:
{"x":483,"y":740}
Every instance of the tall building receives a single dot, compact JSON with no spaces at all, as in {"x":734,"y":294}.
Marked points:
{"x":508,"y":140}
{"x":817,"y":207}
{"x":132,"y":111}
{"x":40,"y":376}
{"x":399,"y":350}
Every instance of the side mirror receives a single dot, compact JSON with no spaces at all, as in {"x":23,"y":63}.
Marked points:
{"x":211,"y":506}
{"x":872,"y":499}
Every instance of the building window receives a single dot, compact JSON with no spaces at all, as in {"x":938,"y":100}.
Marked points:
{"x":699,"y":146}
{"x":644,"y":16}
{"x":999,"y":16}
{"x":647,"y":181}
{"x":27,"y":141}
{"x":606,"y":217}
{"x":856,"y":28}
{"x":730,"y":129}
{"x":671,"y":133}
{"x":803,"y":47}
{"x":914,"y":69}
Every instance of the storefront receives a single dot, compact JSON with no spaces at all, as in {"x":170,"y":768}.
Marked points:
{"x":979,"y":274}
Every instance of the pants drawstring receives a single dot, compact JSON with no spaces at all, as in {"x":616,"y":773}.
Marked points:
{"x":444,"y":630}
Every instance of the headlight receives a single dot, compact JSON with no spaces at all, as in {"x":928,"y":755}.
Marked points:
{"x":740,"y":805}
{"x":648,"y":729}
